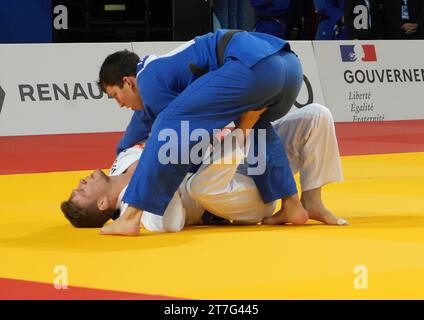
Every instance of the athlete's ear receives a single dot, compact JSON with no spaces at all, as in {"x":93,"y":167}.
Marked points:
{"x":130,"y":80}
{"x":126,"y":80}
{"x":103,"y":203}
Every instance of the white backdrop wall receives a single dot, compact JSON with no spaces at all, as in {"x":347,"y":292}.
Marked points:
{"x":51,"y":88}
{"x":373,"y":80}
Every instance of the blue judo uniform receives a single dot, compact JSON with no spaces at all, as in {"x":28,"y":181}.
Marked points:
{"x":258,"y":70}
{"x":329,"y":26}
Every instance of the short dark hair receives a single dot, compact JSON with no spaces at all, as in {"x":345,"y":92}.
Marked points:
{"x":116,"y":66}
{"x":85,"y":217}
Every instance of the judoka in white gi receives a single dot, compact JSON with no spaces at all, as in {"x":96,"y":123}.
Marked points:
{"x":221,"y":185}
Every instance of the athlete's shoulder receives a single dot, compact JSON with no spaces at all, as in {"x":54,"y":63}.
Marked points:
{"x":126,"y":158}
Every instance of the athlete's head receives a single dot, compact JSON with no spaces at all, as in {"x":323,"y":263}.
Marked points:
{"x":89,"y":205}
{"x":117,"y":78}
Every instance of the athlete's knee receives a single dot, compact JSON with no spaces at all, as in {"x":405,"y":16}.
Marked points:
{"x":321,"y":113}
{"x":198,"y":189}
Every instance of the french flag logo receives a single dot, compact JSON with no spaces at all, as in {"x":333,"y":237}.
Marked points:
{"x":353,"y":53}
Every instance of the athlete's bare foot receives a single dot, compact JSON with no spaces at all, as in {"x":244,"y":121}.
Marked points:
{"x":291,"y":211}
{"x":127,"y":224}
{"x":312,"y":202}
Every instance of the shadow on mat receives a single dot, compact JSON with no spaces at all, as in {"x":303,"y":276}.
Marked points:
{"x":385,"y":222}
{"x":67,"y":238}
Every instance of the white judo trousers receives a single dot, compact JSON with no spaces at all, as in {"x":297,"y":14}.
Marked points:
{"x":309,"y":138}
{"x":223,"y":189}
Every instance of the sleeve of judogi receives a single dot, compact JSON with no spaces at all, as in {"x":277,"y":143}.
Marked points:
{"x":137,"y":130}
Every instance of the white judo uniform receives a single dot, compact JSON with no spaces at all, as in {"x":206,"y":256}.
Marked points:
{"x":222,"y":187}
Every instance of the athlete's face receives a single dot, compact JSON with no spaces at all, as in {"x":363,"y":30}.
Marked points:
{"x":127,"y":96}
{"x":90,"y":189}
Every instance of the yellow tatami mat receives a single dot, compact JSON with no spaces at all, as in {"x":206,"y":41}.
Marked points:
{"x":379,"y":256}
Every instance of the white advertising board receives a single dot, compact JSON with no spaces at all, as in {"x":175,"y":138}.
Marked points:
{"x":372,"y":80}
{"x":51,"y":89}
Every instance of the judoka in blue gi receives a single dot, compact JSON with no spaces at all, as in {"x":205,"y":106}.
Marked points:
{"x":330,"y":24}
{"x":270,"y":16}
{"x":206,"y":87}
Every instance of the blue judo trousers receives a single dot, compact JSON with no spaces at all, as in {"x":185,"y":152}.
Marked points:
{"x":257,"y":71}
